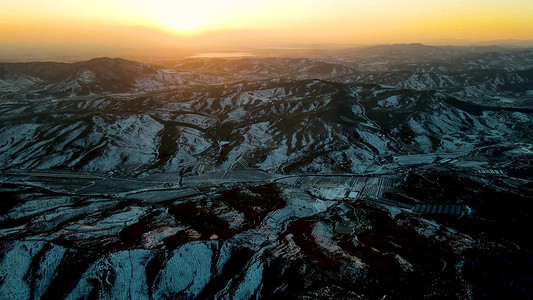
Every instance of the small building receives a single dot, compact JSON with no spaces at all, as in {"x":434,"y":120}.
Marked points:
{"x":353,"y":195}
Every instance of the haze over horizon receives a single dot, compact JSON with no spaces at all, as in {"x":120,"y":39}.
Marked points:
{"x":63,"y":30}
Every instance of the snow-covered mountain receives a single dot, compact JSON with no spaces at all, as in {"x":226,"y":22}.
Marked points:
{"x":96,"y":76}
{"x":275,"y":125}
{"x":399,"y":171}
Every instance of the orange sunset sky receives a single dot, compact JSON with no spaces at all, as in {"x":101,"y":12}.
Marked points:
{"x":29,"y":28}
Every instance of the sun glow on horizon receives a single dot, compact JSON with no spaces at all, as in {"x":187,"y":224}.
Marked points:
{"x":181,"y":17}
{"x":134,"y":24}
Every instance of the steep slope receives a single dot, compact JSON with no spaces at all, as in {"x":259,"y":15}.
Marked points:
{"x":269,"y":241}
{"x":276,"y":125}
{"x":96,"y":76}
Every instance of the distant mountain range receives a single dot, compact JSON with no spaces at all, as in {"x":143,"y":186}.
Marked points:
{"x":276,"y":114}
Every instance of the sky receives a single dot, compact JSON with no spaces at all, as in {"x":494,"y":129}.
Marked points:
{"x":29,"y":28}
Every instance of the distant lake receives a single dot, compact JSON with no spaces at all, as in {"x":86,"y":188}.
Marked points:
{"x":221,"y":54}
